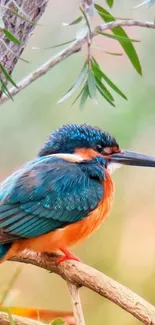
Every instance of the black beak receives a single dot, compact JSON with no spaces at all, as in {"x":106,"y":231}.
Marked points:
{"x":133,"y":159}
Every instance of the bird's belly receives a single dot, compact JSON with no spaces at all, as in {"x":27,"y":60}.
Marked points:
{"x":72,"y":233}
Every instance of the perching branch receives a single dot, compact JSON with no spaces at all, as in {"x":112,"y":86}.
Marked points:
{"x":76,"y":46}
{"x":83,"y":275}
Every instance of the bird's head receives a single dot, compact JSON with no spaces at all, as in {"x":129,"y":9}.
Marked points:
{"x":92,"y":142}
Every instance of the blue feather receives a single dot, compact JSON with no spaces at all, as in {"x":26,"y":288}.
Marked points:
{"x":49,"y":193}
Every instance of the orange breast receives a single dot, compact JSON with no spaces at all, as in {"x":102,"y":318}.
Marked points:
{"x":73,"y":233}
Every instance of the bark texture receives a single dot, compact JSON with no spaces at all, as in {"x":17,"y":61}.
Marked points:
{"x":22,"y":29}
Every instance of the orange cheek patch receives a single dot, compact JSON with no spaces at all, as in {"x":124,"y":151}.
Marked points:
{"x":87,"y":154}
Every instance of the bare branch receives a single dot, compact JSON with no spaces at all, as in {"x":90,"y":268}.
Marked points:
{"x":76,"y":46}
{"x":83,"y":275}
{"x":76,"y":304}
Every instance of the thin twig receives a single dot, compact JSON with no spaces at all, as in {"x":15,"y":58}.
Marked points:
{"x":76,"y":46}
{"x":84,"y":275}
{"x":76,"y":303}
{"x":87,"y":4}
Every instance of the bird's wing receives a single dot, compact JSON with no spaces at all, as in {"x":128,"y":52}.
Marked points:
{"x":46,"y":194}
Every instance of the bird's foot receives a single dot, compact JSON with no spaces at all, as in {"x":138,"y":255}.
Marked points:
{"x":67,"y":256}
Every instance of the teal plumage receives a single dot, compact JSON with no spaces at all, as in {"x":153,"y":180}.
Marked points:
{"x":48,"y":193}
{"x":63,"y":195}
{"x":52,"y":192}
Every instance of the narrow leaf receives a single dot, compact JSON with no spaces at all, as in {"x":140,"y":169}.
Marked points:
{"x":92,"y":85}
{"x":84,"y":96}
{"x":80,"y":93}
{"x":4,"y":89}
{"x":104,"y":89}
{"x":8,"y":77}
{"x":113,"y":53}
{"x":74,"y":22}
{"x":110,"y":3}
{"x":116,"y":37}
{"x":105,"y":96}
{"x":119,"y":31}
{"x":107,"y":52}
{"x":61,"y":44}
{"x":11,"y":37}
{"x":26,"y":61}
{"x":20,"y":16}
{"x":97,"y":71}
{"x":78,"y":82}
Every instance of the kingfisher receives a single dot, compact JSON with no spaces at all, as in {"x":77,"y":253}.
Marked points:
{"x":63,"y":195}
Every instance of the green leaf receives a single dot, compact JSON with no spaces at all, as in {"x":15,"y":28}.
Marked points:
{"x":99,"y":73}
{"x":11,"y":37}
{"x":113,"y":53}
{"x":78,"y":82}
{"x":20,"y":16}
{"x":61,"y":44}
{"x":77,"y":97}
{"x":84,"y":96}
{"x":58,"y":321}
{"x":104,"y":89}
{"x":92,"y":85}
{"x":116,"y":37}
{"x":4,"y":89}
{"x":8,"y":77}
{"x":21,"y":59}
{"x":74,"y":22}
{"x":105,"y":96}
{"x":107,"y":52}
{"x":110,"y":3}
{"x":119,"y":31}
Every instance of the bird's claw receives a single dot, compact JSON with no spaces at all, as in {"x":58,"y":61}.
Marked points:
{"x":68,"y":256}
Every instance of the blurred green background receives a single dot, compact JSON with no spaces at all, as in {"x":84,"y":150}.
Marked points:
{"x":124,"y":246}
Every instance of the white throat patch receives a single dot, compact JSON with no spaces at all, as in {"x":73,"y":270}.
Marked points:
{"x":113,"y":166}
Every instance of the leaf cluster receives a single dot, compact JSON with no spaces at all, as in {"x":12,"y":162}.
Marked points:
{"x":92,"y":79}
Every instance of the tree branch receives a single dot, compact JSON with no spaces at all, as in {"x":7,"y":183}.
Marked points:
{"x":84,"y":275}
{"x":76,"y":303}
{"x":22,"y":29}
{"x":76,"y":46}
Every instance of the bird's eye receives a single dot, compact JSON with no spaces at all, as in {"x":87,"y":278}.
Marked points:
{"x":99,"y":148}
